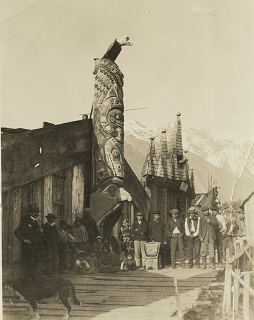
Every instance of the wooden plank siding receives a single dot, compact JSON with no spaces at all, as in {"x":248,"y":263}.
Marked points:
{"x":78,"y":191}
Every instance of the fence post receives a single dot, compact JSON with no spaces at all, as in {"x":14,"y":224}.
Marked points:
{"x":225,"y":289}
{"x":228,"y":289}
{"x":178,"y":303}
{"x":246,"y":298}
{"x":236,"y":291}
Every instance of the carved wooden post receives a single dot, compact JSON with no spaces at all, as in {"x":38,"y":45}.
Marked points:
{"x":178,"y":303}
{"x":108,"y":120}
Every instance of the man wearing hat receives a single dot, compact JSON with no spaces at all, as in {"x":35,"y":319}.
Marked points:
{"x":207,"y":236}
{"x":158,"y":232}
{"x":28,"y":233}
{"x":50,"y":235}
{"x":192,"y":223}
{"x":218,"y":233}
{"x":176,"y":232}
{"x":139,"y":230}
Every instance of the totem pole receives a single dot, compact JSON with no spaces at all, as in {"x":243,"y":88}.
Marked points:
{"x":108,"y":121}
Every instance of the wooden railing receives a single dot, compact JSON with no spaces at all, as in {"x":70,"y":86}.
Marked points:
{"x":233,"y":287}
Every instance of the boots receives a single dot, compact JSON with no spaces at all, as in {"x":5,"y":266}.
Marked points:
{"x":203,"y":267}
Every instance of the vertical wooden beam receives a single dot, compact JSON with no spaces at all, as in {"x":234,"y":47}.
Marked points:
{"x":68,"y":195}
{"x":5,"y":225}
{"x":236,"y":291}
{"x":15,"y":221}
{"x":166,"y":205}
{"x":246,"y":298}
{"x":78,"y":191}
{"x":48,"y":196}
{"x":228,"y":289}
{"x":36,"y":197}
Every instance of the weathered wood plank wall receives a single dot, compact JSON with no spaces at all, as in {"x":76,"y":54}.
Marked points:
{"x":78,"y":191}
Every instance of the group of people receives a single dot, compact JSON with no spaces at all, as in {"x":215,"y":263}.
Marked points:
{"x":203,"y":231}
{"x":50,"y":250}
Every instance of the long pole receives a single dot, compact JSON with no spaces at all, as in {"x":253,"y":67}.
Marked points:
{"x":178,"y":303}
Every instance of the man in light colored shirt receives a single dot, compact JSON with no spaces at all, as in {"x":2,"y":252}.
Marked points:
{"x":192,"y":232}
{"x":218,"y":233}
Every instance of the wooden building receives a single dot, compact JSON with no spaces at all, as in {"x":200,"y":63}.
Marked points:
{"x":53,"y":167}
{"x":166,"y":175}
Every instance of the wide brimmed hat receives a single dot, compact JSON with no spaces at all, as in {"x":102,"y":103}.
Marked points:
{"x":204,"y":208}
{"x":192,"y":210}
{"x":33,"y":208}
{"x":51,"y":215}
{"x":140,"y":214}
{"x":174,"y":211}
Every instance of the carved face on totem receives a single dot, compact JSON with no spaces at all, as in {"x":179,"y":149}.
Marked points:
{"x":114,"y":157}
{"x":115,"y":123}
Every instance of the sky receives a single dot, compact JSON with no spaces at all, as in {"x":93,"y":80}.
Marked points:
{"x":191,"y":56}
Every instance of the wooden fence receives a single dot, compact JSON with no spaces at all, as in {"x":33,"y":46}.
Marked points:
{"x":232,"y":288}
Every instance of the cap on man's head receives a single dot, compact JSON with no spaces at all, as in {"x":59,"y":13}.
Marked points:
{"x":33,"y":208}
{"x":87,"y":210}
{"x":51,"y":215}
{"x":139,"y":214}
{"x":214,"y":208}
{"x":204,"y":208}
{"x":174,"y":211}
{"x":192,"y":210}
{"x":157,"y":212}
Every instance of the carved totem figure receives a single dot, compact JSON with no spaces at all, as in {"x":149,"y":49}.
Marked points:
{"x":108,"y":118}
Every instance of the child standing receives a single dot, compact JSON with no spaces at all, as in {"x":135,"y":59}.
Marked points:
{"x":125,"y":238}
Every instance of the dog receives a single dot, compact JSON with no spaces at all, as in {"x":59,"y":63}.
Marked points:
{"x":36,"y":290}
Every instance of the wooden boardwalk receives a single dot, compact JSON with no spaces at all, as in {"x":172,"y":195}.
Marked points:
{"x":147,"y":295}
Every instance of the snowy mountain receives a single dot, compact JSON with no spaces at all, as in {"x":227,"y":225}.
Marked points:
{"x":225,"y":156}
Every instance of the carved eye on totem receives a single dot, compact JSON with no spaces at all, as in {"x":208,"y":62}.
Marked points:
{"x":115,"y":153}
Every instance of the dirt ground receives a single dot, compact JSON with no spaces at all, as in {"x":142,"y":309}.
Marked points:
{"x":211,"y":303}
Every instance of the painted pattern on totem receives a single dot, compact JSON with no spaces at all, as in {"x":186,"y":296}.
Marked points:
{"x":108,"y":120}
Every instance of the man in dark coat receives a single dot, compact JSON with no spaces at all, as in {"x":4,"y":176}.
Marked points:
{"x":50,"y":235}
{"x":91,"y":227}
{"x":192,"y":232}
{"x":158,"y":232}
{"x":176,"y":232}
{"x":29,"y":234}
{"x":207,"y":236}
{"x":218,"y":232}
{"x":139,"y":230}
